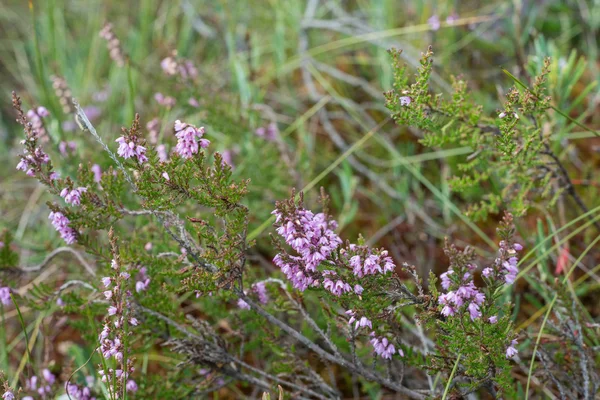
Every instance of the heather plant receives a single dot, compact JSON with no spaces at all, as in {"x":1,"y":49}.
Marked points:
{"x":152,"y":235}
{"x":512,"y":153}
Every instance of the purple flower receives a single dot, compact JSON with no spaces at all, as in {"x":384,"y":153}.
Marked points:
{"x":487,"y":272}
{"x":434,"y":22}
{"x":382,"y":347}
{"x":474,"y":311}
{"x":243,"y":305}
{"x":128,"y":149}
{"x":358,"y":289}
{"x":73,"y":196}
{"x":517,"y":247}
{"x":261,"y":290}
{"x":97,"y":172}
{"x":446,"y":279}
{"x":61,"y":224}
{"x":493,"y":319}
{"x":8,"y":395}
{"x":5,"y":295}
{"x":131,"y":386}
{"x":48,"y":376}
{"x":511,"y":351}
{"x":405,"y":101}
{"x":187,"y":135}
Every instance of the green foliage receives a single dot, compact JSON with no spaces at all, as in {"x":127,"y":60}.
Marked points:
{"x":511,"y":151}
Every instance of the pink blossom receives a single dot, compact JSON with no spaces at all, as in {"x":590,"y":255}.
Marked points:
{"x":511,"y":351}
{"x":61,"y":224}
{"x":97,"y":172}
{"x":187,"y":135}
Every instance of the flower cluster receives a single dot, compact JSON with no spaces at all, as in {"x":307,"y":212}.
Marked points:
{"x":187,"y":135}
{"x":114,"y":46}
{"x":61,"y":224}
{"x":260,"y":289}
{"x":130,"y":143}
{"x":465,"y":292}
{"x":32,"y":161}
{"x":113,"y":336}
{"x":505,"y":266}
{"x":72,"y":196}
{"x":313,"y":238}
{"x":77,"y":392}
{"x":383,"y":347}
{"x":39,"y":386}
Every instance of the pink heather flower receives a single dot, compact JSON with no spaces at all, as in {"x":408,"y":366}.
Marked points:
{"x":97,"y":172}
{"x":61,"y":224}
{"x":383,"y":347}
{"x":517,"y":247}
{"x":5,"y":296}
{"x":511,"y":351}
{"x":487,"y":272}
{"x":166,"y":176}
{"x":358,"y":289}
{"x":363,"y":321}
{"x":193,"y":102}
{"x":405,"y":101}
{"x":112,"y":310}
{"x":493,"y":319}
{"x":108,"y":294}
{"x":434,"y":22}
{"x":73,"y":196}
{"x":131,"y":386}
{"x":187,"y":145}
{"x":53,"y":176}
{"x":502,"y":115}
{"x":448,"y":311}
{"x":8,"y":395}
{"x":125,"y":148}
{"x":474,"y":311}
{"x":60,"y":302}
{"x":128,"y":149}
{"x":261,"y":290}
{"x":243,"y":305}
{"x":134,"y":321}
{"x":400,"y":352}
{"x":48,"y":376}
{"x":445,"y":279}
{"x":148,"y":246}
